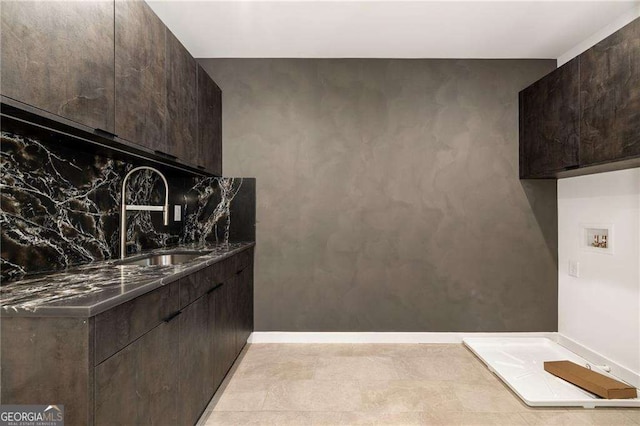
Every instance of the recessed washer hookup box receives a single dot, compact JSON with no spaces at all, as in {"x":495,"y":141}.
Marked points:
{"x":589,"y":380}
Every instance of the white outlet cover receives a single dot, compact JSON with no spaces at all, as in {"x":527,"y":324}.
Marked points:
{"x":574,"y":268}
{"x":177,"y":213}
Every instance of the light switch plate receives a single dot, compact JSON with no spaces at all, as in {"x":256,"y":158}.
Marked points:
{"x":177,"y":213}
{"x":574,"y":268}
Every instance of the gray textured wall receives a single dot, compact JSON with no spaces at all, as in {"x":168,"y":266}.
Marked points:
{"x":388,"y":194}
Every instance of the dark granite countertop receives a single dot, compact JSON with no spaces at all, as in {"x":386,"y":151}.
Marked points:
{"x":88,"y":290}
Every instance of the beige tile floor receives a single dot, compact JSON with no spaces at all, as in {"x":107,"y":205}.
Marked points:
{"x":335,"y":384}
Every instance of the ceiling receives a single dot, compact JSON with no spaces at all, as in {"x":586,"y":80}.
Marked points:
{"x":386,"y":29}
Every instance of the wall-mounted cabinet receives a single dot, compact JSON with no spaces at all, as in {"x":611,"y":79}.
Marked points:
{"x":113,"y":66}
{"x":59,"y":57}
{"x":610,"y":98}
{"x":584,"y":117}
{"x":209,"y":123}
{"x":549,"y":122}
{"x":141,"y":90}
{"x":182,"y":102}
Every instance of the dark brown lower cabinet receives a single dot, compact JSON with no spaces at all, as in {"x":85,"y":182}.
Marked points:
{"x":245,"y":307}
{"x":224,"y":330}
{"x":166,"y":354}
{"x":196,"y":385}
{"x":139,"y":384}
{"x":46,"y":360}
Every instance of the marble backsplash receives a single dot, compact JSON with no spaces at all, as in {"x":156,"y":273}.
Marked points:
{"x":60,"y":207}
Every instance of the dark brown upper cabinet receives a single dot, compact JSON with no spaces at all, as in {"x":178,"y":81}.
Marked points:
{"x":140,"y":63}
{"x":58,"y":57}
{"x":113,"y":66}
{"x":182,"y":102}
{"x":549,"y":123}
{"x":584,"y":117}
{"x":610,"y":98}
{"x":209,"y":123}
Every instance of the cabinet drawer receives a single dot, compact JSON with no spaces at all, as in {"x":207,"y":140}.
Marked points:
{"x":118,"y":327}
{"x":238,"y":263}
{"x":195,"y":285}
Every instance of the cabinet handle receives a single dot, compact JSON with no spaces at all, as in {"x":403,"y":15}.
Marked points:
{"x":217,"y":286}
{"x":105,"y":133}
{"x":240,"y":271}
{"x":164,"y":154}
{"x":172,"y":316}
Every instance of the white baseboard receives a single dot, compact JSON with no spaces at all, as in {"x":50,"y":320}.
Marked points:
{"x":620,"y":371}
{"x":378,"y":337}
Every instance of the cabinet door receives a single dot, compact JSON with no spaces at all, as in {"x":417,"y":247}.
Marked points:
{"x":121,"y":325}
{"x":58,"y":56}
{"x":209,"y":123}
{"x":48,"y":359}
{"x":141,"y":89}
{"x":610,"y":98}
{"x":182,"y":102}
{"x":245,"y":307}
{"x":196,"y":359}
{"x":549,"y":123}
{"x":224,"y":343}
{"x":139,"y":384}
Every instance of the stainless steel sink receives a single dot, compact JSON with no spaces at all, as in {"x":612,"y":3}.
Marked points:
{"x":172,"y":258}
